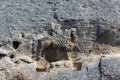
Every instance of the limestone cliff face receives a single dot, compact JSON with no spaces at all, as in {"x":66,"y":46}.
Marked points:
{"x":90,"y":18}
{"x":58,"y":36}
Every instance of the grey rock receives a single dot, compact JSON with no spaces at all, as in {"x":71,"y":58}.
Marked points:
{"x":7,"y":50}
{"x":23,"y":22}
{"x":25,"y":59}
{"x":28,"y":71}
{"x":110,"y":68}
{"x":93,"y":72}
{"x":90,"y":17}
{"x":7,"y":69}
{"x":88,"y":72}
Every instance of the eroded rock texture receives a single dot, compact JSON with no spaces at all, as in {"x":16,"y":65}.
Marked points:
{"x":59,"y":39}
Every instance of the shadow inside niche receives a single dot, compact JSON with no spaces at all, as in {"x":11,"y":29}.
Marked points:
{"x":108,"y":37}
{"x":53,"y":54}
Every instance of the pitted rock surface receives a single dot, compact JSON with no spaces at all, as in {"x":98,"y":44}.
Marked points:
{"x":59,"y":36}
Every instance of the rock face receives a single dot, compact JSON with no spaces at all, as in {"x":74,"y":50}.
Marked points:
{"x":47,"y":39}
{"x":110,"y":68}
{"x":89,"y":17}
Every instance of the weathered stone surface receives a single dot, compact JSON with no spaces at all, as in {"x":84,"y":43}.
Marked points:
{"x":24,"y":58}
{"x":7,"y":50}
{"x":110,"y":68}
{"x":88,"y":72}
{"x":27,"y":71}
{"x":7,"y":69}
{"x":52,"y":29}
{"x":35,"y":16}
